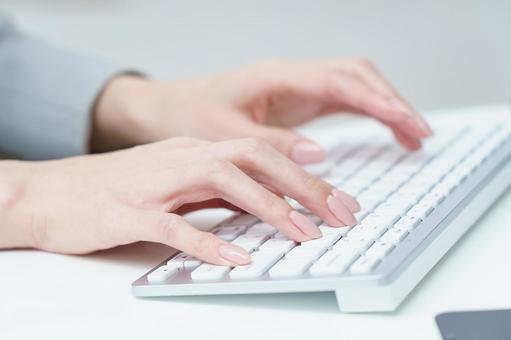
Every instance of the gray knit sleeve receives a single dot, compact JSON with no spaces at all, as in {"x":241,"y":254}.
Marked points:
{"x":46,"y":96}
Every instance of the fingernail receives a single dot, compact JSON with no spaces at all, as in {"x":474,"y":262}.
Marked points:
{"x":307,"y":152}
{"x":304,"y":224}
{"x":234,"y":254}
{"x":340,"y":210}
{"x":399,"y":105}
{"x":348,"y":200}
{"x":424,"y":126}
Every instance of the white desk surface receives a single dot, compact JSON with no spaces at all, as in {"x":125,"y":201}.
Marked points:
{"x":88,"y":297}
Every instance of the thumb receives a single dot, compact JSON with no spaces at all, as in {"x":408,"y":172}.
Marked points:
{"x":173,"y":230}
{"x":293,"y":145}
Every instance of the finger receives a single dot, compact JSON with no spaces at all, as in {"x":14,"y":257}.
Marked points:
{"x":296,"y":147}
{"x":377,"y":82}
{"x":407,"y":141}
{"x":175,"y":231}
{"x":236,"y":187}
{"x":353,"y":91}
{"x":268,"y":166}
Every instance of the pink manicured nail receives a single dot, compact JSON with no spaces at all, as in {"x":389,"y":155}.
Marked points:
{"x":304,"y":224}
{"x":340,"y":211}
{"x":424,"y":126}
{"x":234,"y":254}
{"x":308,"y":152}
{"x":348,"y":200}
{"x":399,"y":105}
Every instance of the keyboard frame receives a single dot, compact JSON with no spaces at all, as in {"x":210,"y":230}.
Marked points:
{"x":384,"y":289}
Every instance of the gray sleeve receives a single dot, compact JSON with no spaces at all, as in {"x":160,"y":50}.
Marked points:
{"x":46,"y":96}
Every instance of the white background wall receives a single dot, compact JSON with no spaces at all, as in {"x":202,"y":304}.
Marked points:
{"x":438,"y":53}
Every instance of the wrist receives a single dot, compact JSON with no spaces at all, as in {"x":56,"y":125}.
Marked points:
{"x":116,"y":121}
{"x":14,"y":220}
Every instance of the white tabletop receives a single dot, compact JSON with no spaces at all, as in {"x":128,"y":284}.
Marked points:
{"x":88,"y":297}
{"x":54,"y":297}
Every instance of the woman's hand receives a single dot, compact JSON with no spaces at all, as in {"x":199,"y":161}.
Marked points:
{"x":263,"y":100}
{"x":79,"y":205}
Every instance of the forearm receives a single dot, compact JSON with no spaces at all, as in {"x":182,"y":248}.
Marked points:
{"x":14,"y":219}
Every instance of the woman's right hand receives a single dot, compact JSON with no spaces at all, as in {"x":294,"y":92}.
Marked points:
{"x":82,"y":204}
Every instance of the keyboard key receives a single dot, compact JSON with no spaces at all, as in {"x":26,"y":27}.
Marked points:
{"x":282,"y":244}
{"x":328,"y":230}
{"x":380,"y":249}
{"x":357,"y":242}
{"x":229,"y":233}
{"x":421,"y":210}
{"x":408,"y":222}
{"x":262,"y":260}
{"x":185,"y":261}
{"x":209,"y":272}
{"x":163,"y":273}
{"x":261,"y":228}
{"x":290,"y":267}
{"x":334,"y":263}
{"x":250,"y":242}
{"x":307,"y":252}
{"x":365,"y":264}
{"x":394,"y":235}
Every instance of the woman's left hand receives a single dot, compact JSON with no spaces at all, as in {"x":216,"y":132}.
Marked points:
{"x":263,"y":100}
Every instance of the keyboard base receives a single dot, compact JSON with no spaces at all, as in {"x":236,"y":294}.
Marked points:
{"x":386,"y":298}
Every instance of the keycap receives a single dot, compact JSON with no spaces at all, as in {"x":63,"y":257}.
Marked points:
{"x":290,"y":267}
{"x":334,"y":262}
{"x":394,"y":235}
{"x":261,"y":228}
{"x":323,"y":242}
{"x":229,"y":233}
{"x":408,"y":222}
{"x":365,"y":264}
{"x":185,"y":261}
{"x":421,"y":210}
{"x":382,"y":219}
{"x":327,"y":230}
{"x":209,"y":272}
{"x":380,"y":249}
{"x":370,"y":230}
{"x":306,"y":252}
{"x":358,"y":242}
{"x":163,"y":273}
{"x":250,"y":242}
{"x":282,"y":244}
{"x":262,"y":260}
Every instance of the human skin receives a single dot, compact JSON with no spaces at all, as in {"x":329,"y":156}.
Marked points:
{"x":238,"y":136}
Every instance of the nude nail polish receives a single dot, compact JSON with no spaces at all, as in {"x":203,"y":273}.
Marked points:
{"x":307,"y":152}
{"x":304,"y":224}
{"x":424,"y":126}
{"x":340,"y":211}
{"x":234,"y":254}
{"x":399,"y":105}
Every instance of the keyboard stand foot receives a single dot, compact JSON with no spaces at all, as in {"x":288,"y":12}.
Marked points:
{"x":364,"y":299}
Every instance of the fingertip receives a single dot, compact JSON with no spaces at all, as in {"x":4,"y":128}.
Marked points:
{"x":347,"y":199}
{"x":234,"y":254}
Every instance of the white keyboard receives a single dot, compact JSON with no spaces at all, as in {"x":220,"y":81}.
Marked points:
{"x":414,"y":207}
